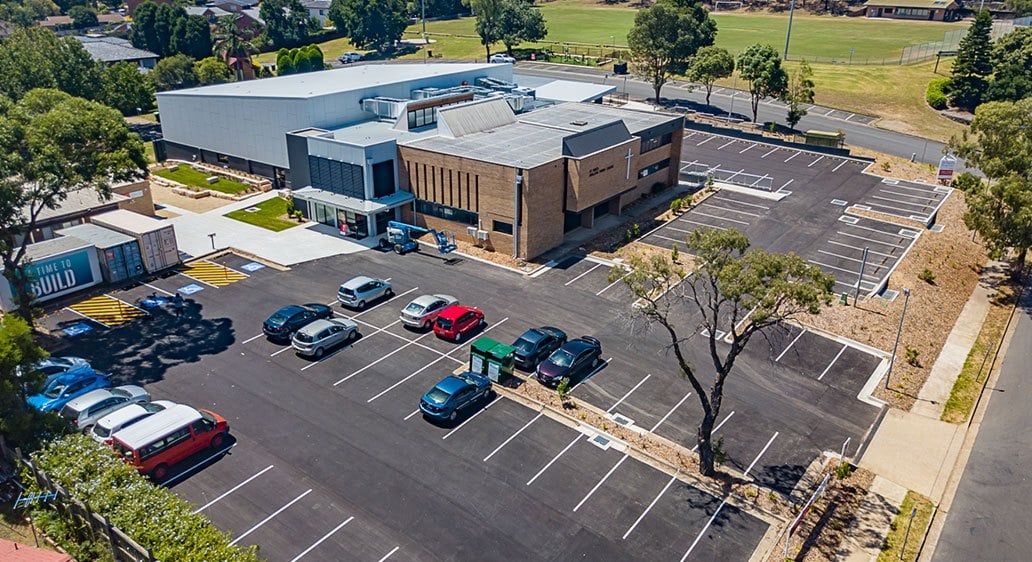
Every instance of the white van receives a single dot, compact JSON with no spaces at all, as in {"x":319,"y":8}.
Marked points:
{"x":124,"y":417}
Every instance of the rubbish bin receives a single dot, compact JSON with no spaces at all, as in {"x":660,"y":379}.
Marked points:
{"x":620,"y":68}
{"x":479,"y":353}
{"x":500,"y":362}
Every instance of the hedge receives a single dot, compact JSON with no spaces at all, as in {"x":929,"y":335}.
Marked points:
{"x":936,"y":93}
{"x":152,"y":515}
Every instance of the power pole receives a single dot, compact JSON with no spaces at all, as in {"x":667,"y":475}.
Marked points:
{"x":788,"y":36}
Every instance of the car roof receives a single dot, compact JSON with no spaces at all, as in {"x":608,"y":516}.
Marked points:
{"x":72,"y":376}
{"x":90,"y":398}
{"x":289,"y":310}
{"x":122,"y":415}
{"x":321,"y":324}
{"x":425,"y":300}
{"x":451,"y":384}
{"x":356,"y":282}
{"x":452,"y":312}
{"x":139,"y":434}
{"x":577,"y":346}
{"x":533,"y":335}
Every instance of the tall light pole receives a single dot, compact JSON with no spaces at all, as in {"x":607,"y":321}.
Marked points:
{"x":734,"y":89}
{"x":899,"y":330}
{"x":788,"y":36}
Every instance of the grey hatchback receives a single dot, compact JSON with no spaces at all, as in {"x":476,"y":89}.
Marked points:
{"x":321,"y":335}
{"x":360,"y":291}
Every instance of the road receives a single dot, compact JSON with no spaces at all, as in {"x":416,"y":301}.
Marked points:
{"x":989,"y":518}
{"x":857,"y":134}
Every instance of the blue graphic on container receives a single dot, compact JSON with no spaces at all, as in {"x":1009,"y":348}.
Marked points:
{"x":59,"y":274}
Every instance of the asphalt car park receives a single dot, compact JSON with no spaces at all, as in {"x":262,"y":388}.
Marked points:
{"x":331,"y":455}
{"x":814,"y":207}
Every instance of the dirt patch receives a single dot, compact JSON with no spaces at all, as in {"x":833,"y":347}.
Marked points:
{"x":823,"y":528}
{"x":164,"y":196}
{"x":956,"y":261}
{"x":486,"y":254}
{"x":896,"y":167}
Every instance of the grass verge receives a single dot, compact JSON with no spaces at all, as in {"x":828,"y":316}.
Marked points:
{"x":187,"y":175}
{"x":271,"y":215}
{"x":969,"y":383}
{"x":890,"y":551}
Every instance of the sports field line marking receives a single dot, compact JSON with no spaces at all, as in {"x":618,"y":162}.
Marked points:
{"x":513,"y":436}
{"x":555,"y":458}
{"x":828,"y":368}
{"x":757,"y":459}
{"x":624,"y":397}
{"x":475,"y":414}
{"x":434,"y":362}
{"x":269,"y":518}
{"x":602,"y":481}
{"x":649,"y":508}
{"x":324,"y":537}
{"x":571,"y":281}
{"x":784,"y":351}
{"x":703,"y":531}
{"x":233,"y":489}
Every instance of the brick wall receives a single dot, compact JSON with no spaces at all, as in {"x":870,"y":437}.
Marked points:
{"x":602,"y":175}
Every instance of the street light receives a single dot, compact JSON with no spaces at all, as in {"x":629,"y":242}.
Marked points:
{"x":788,"y":35}
{"x":899,"y":330}
{"x":734,"y":89}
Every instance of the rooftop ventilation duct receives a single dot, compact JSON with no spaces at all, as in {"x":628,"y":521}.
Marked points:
{"x":386,"y":108}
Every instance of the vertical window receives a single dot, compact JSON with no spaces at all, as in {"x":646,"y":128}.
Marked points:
{"x":451,"y":189}
{"x":469,"y":202}
{"x":477,"y":191}
{"x":458,"y":180}
{"x":433,"y":182}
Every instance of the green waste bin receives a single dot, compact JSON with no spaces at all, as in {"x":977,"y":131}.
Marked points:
{"x":478,"y":355}
{"x":500,"y":362}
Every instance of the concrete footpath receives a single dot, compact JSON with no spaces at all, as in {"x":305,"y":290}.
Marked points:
{"x":915,"y":450}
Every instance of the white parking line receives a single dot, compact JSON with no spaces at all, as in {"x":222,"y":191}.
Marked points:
{"x":784,"y":351}
{"x":924,"y":205}
{"x":729,"y":178}
{"x":850,"y":116}
{"x":275,"y":353}
{"x":737,"y":202}
{"x":667,"y":238}
{"x":707,"y":225}
{"x":392,"y":334}
{"x":716,"y":429}
{"x":705,"y":141}
{"x":926,"y":195}
{"x":388,"y":555}
{"x":850,"y":271}
{"x":815,"y":161}
{"x":843,"y":163}
{"x":830,"y":111}
{"x":726,"y":144}
{"x":782,"y":188}
{"x":568,"y":283}
{"x":664,"y":418}
{"x":249,"y":340}
{"x":793,"y":156}
{"x":269,"y":518}
{"x":324,"y":537}
{"x":380,"y":359}
{"x":927,"y":190}
{"x":765,"y":447}
{"x":772,"y":151}
{"x":828,"y":368}
{"x":728,"y":209}
{"x":883,"y":206}
{"x":432,"y":363}
{"x":827,"y":253}
{"x":469,"y":419}
{"x":414,"y":412}
{"x":587,"y":377}
{"x":871,"y":239}
{"x":649,"y":508}
{"x":753,"y":145}
{"x":551,"y":462}
{"x":158,"y":289}
{"x":196,"y":279}
{"x":703,"y":531}
{"x":719,"y":218}
{"x":609,"y":286}
{"x":624,"y":397}
{"x":233,"y":489}
{"x":858,"y":248}
{"x":602,"y":481}
{"x":513,"y":436}
{"x":372,"y":308}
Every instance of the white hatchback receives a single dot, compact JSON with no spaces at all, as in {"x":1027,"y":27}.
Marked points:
{"x":124,"y":417}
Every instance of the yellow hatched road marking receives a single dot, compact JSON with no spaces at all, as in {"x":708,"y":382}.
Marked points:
{"x":108,"y":310}
{"x":212,"y":273}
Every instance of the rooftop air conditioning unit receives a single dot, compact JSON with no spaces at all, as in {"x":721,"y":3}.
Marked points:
{"x":482,"y":234}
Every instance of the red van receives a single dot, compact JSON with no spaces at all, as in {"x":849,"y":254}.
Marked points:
{"x":165,"y":438}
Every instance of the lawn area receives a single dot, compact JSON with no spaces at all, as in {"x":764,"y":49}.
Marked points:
{"x":271,"y":214}
{"x":187,"y":175}
{"x":897,"y":531}
{"x":331,"y":50}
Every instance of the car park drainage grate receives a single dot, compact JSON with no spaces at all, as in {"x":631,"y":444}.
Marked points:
{"x":943,"y":189}
{"x":839,"y":202}
{"x":601,"y":442}
{"x":862,"y":207}
{"x":627,"y":422}
{"x":890,"y":182}
{"x":937,"y":228}
{"x":252,"y":210}
{"x":909,"y":233}
{"x":889,"y":295}
{"x":849,"y":219}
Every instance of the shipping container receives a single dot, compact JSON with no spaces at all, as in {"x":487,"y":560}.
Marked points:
{"x":157,"y":238}
{"x":56,"y":268}
{"x":119,"y":253}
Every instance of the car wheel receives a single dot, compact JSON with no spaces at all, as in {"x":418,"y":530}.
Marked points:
{"x":454,"y":414}
{"x":160,"y":472}
{"x":352,"y":335}
{"x":458,"y":337}
{"x":389,"y":293}
{"x":491,"y":395}
{"x":218,"y":440}
{"x":86,"y":429}
{"x":482,"y":323}
{"x":594,"y":363}
{"x":360,"y":305}
{"x":319,"y":352}
{"x":399,"y":249}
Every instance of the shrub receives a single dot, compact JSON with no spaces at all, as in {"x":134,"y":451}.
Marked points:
{"x":912,"y":355}
{"x":927,"y":275}
{"x":935,"y":95}
{"x":676,"y":205}
{"x":633,"y":232}
{"x":719,"y":454}
{"x":844,"y":470}
{"x":563,"y":390}
{"x":675,"y":254}
{"x":152,"y":515}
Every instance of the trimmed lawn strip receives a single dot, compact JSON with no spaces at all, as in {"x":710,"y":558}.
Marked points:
{"x":271,"y":215}
{"x":968,"y":386}
{"x":897,"y":531}
{"x":187,"y":175}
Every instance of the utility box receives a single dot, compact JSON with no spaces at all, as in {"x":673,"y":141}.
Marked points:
{"x":493,"y":359}
{"x":825,"y":138}
{"x":157,"y":238}
{"x":620,"y":68}
{"x":119,"y":253}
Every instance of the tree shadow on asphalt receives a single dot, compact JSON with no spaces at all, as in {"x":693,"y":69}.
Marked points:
{"x":143,"y":350}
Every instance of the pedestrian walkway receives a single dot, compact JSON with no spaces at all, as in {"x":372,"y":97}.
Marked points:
{"x":866,"y":535}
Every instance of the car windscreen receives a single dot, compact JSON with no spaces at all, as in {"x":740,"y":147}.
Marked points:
{"x":123,"y":451}
{"x":444,"y":323}
{"x":437,"y":395}
{"x":55,"y":389}
{"x":414,"y":308}
{"x":523,"y":346}
{"x":279,"y":319}
{"x":562,"y":358}
{"x":101,"y":431}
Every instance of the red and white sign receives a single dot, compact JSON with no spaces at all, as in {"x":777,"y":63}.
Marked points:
{"x":947,"y":164}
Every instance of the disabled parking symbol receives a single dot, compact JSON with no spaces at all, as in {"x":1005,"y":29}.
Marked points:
{"x":190,"y":289}
{"x":77,"y":329}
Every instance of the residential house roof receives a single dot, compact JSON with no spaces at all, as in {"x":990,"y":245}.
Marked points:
{"x":54,"y":21}
{"x":207,"y":11}
{"x":316,"y":4}
{"x":113,"y":49}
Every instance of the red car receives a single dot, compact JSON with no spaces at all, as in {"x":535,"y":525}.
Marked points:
{"x":456,"y":321}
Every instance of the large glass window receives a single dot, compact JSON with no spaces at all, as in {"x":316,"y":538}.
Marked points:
{"x":337,"y":177}
{"x":648,"y":171}
{"x":422,"y":117}
{"x":446,"y":212}
{"x":383,"y":179}
{"x":652,"y":143}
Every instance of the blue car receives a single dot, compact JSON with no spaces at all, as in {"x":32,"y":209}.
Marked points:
{"x":59,"y":390}
{"x":454,"y":393}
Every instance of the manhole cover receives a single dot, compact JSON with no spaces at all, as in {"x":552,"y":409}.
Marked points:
{"x":601,"y":442}
{"x":252,"y":209}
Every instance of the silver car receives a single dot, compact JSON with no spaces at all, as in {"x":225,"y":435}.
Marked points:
{"x":422,"y":311}
{"x":85,"y":410}
{"x":124,"y":417}
{"x":361,"y":290}
{"x":319,"y":336}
